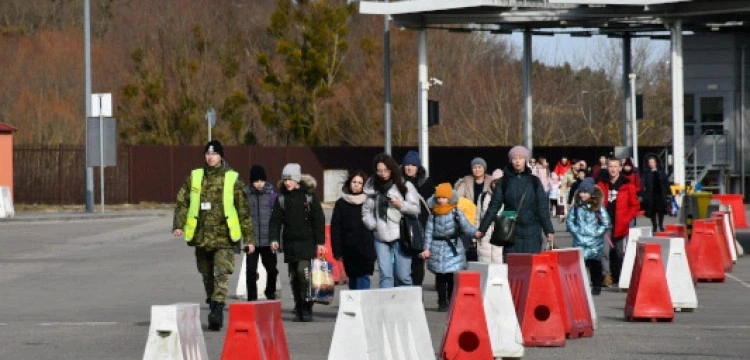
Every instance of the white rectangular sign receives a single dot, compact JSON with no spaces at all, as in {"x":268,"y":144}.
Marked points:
{"x":101,"y":105}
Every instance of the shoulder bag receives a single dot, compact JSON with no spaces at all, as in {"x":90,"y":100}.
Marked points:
{"x":504,"y":233}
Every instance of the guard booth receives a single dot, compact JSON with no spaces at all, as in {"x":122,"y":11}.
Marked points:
{"x":6,"y":155}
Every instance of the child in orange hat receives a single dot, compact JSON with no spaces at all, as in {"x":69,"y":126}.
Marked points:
{"x":444,"y":250}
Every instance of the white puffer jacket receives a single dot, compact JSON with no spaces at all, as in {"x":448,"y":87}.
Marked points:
{"x":487,"y":252}
{"x":388,"y":229}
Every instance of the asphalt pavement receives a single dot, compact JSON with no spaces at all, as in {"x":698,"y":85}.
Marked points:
{"x":80,"y":286}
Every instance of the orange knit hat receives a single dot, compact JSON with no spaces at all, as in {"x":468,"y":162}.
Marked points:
{"x":444,"y":190}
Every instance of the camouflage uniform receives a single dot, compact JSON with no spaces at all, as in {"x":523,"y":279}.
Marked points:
{"x":214,"y":248}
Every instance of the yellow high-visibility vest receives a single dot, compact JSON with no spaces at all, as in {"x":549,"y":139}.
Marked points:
{"x":233,"y":221}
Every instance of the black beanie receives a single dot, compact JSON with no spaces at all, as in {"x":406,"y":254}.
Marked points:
{"x":215,"y":146}
{"x":257,"y":172}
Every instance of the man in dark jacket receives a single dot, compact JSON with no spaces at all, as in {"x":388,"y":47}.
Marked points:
{"x":532,"y":213}
{"x":298,"y":211}
{"x":261,"y":197}
{"x":415,"y":173}
{"x":655,"y":192}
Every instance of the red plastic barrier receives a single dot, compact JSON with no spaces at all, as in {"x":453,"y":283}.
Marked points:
{"x":255,"y":331}
{"x":723,"y":243}
{"x":738,"y":208}
{"x":576,"y":313}
{"x":339,"y":274}
{"x":679,"y":229}
{"x":706,"y":252}
{"x":648,"y":294}
{"x":539,"y":309}
{"x":466,"y":336}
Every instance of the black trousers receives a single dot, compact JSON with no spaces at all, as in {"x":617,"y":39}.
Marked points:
{"x":595,"y":271}
{"x":268,"y":258}
{"x":417,"y":270}
{"x":444,"y":287}
{"x":616,"y":255}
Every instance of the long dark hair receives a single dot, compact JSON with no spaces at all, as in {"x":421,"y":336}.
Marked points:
{"x":392,"y":166}
{"x":347,"y":189}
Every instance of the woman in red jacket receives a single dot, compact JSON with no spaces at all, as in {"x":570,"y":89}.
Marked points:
{"x":621,"y":201}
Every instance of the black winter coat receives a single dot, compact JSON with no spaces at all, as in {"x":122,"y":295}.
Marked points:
{"x":351,"y":240}
{"x":654,"y":199}
{"x":304,"y":226}
{"x":533,"y":218}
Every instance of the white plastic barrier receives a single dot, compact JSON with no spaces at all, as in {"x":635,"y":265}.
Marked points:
{"x":175,"y":333}
{"x":738,"y":247}
{"x":381,"y":324}
{"x":505,"y":333}
{"x":6,"y":203}
{"x":260,"y":282}
{"x":679,"y":280}
{"x":630,"y":249}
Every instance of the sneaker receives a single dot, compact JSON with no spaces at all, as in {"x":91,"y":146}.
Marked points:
{"x":596,"y":291}
{"x":442,"y":307}
{"x":297,"y":313}
{"x":607,"y":281}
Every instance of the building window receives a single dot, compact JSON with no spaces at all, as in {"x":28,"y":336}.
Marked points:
{"x":688,"y":110}
{"x":712,"y":114}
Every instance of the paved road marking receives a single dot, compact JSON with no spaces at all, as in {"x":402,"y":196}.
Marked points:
{"x":738,"y":280}
{"x":82,"y":323}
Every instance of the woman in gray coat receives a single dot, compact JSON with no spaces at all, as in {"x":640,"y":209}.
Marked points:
{"x":533,"y":217}
{"x":444,"y":250}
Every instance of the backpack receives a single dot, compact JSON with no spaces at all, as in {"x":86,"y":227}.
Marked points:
{"x":308,"y":201}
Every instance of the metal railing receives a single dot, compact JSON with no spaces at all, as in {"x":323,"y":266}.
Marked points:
{"x":719,"y":153}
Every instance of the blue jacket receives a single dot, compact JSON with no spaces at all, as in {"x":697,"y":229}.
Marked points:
{"x":588,"y":229}
{"x":442,"y":259}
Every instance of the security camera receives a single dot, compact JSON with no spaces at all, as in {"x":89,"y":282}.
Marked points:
{"x":436,"y":81}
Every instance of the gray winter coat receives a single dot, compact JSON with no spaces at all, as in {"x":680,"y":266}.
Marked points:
{"x":533,"y":219}
{"x":387,"y":229}
{"x":442,"y":229}
{"x":261,"y":206}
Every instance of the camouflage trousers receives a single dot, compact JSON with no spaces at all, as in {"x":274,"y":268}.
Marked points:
{"x":215,"y":266}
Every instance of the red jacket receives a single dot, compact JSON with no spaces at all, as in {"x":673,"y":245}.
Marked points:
{"x":627,"y":207}
{"x":561,"y":169}
{"x":635,"y":178}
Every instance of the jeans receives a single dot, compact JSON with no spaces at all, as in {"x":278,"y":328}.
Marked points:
{"x":359,"y":283}
{"x":391,"y":258}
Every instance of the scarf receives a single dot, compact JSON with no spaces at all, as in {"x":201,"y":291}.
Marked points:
{"x":443,"y":209}
{"x":355,"y":199}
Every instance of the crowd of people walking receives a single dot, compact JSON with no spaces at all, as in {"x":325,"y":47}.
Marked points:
{"x":215,"y":210}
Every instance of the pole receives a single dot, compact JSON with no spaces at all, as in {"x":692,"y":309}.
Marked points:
{"x":424,"y":86}
{"x":209,"y":131}
{"x":633,"y":120}
{"x":742,"y":123}
{"x":87,"y":70}
{"x":101,"y":155}
{"x":387,"y":81}
{"x":626,"y":94}
{"x":678,"y":121}
{"x":527,"y":105}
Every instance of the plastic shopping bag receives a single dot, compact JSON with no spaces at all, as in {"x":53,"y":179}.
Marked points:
{"x":321,"y":282}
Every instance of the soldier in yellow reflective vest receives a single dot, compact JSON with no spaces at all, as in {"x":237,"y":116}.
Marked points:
{"x":212,"y":214}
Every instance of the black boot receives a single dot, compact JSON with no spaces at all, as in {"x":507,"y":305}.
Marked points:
{"x":307,"y":311}
{"x":297,"y":313}
{"x":216,"y":317}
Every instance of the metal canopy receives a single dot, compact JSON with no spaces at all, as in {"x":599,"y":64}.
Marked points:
{"x":614,"y":18}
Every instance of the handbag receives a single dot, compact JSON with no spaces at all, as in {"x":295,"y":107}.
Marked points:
{"x":411,"y":235}
{"x":504,"y":233}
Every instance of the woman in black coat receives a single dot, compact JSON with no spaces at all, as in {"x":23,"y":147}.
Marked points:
{"x":533,"y":219}
{"x":655,"y":192}
{"x":350,"y":239}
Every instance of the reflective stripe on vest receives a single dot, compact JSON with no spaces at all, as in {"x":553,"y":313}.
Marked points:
{"x":230,"y":212}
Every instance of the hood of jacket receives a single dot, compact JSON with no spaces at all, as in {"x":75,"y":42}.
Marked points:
{"x":306,"y":184}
